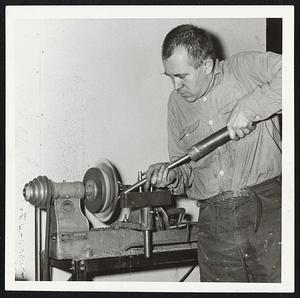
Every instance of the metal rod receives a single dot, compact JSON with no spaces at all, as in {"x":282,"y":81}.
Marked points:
{"x":187,"y":273}
{"x":209,"y":144}
{"x":46,"y":263}
{"x":171,"y":166}
{"x":134,"y":186}
{"x":196,"y":152}
{"x":147,"y":243}
{"x":38,"y":243}
{"x":139,"y":179}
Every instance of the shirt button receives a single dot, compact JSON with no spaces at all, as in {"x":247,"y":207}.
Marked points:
{"x":210,"y":122}
{"x":221,"y":172}
{"x":204,"y":98}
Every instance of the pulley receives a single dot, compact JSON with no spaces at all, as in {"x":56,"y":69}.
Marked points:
{"x":38,"y":191}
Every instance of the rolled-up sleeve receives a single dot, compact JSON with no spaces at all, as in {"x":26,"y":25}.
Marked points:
{"x":261,"y":73}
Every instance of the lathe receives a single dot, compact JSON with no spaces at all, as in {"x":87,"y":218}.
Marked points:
{"x":100,"y":226}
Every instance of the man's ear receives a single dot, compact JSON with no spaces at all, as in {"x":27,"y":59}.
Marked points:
{"x":208,"y":66}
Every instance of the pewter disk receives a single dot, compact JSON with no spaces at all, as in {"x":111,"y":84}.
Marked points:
{"x":94,"y":202}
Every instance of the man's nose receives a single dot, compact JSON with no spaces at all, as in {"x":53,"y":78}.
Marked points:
{"x":177,"y":83}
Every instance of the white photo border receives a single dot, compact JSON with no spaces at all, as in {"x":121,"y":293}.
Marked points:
{"x":286,"y":12}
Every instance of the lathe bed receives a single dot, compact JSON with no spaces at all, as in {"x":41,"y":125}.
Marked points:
{"x":88,"y":268}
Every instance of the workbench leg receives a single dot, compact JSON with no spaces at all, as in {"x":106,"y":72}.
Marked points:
{"x":45,"y":268}
{"x":79,"y":271}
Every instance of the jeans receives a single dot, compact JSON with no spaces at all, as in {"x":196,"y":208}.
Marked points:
{"x":239,"y":237}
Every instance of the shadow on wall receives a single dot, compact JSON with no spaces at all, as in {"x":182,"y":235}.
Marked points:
{"x":218,"y":47}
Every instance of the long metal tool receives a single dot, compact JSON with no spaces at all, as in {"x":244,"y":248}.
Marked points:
{"x":196,"y":152}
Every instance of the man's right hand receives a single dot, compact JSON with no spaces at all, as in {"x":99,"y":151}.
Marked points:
{"x":159,"y":175}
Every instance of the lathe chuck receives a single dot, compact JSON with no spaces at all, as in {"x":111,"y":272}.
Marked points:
{"x":101,"y":190}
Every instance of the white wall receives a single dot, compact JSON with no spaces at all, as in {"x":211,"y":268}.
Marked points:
{"x":87,"y":89}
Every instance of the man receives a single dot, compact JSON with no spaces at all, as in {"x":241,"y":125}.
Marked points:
{"x":237,"y":186}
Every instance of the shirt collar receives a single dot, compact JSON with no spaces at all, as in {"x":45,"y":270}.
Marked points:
{"x":217,"y":76}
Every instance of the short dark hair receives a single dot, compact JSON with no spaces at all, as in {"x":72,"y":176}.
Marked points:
{"x":196,"y":41}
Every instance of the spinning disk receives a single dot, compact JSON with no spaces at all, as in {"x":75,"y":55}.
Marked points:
{"x":101,"y":185}
{"x":95,"y":191}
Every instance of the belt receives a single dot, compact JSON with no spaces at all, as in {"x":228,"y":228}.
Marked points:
{"x":248,"y":192}
{"x":235,"y":196}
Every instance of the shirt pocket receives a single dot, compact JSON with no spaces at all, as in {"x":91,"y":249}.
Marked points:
{"x":228,"y":107}
{"x":191,"y":134}
{"x":225,"y":111}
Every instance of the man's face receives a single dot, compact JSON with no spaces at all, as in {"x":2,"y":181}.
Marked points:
{"x":190,"y":82}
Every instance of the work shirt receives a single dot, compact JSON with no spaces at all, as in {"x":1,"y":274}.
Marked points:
{"x":252,"y":82}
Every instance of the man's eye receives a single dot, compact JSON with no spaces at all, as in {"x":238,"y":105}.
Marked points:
{"x":182,"y":77}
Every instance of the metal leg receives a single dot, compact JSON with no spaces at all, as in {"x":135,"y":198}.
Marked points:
{"x":79,"y":271}
{"x":46,"y":268}
{"x":38,"y":246}
{"x":147,"y":243}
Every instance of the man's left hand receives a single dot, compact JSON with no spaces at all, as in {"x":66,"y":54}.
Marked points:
{"x":238,"y":124}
